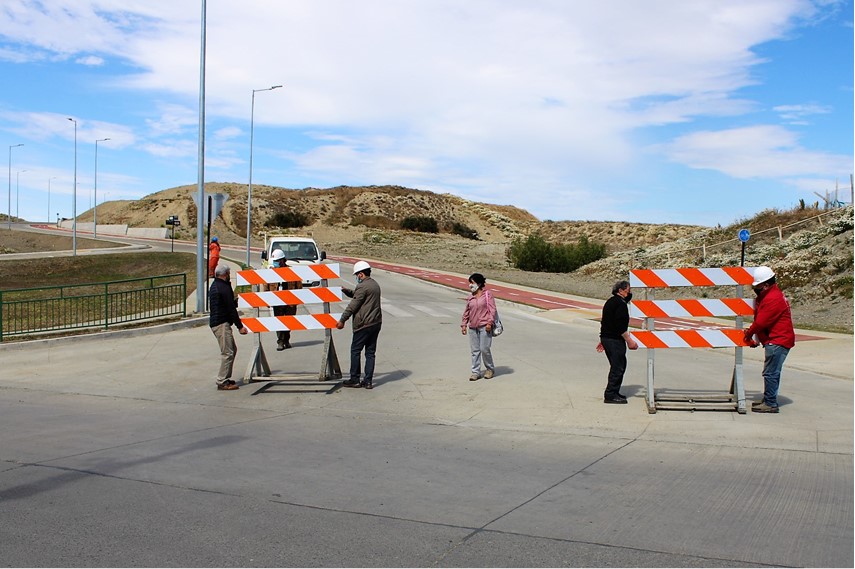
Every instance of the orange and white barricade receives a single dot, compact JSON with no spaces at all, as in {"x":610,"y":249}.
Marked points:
{"x":258,"y":324}
{"x":707,"y":337}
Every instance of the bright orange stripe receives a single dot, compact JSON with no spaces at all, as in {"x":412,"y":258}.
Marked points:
{"x":326,"y":295}
{"x":252,"y":277}
{"x":738,"y":336}
{"x":649,"y":278}
{"x":288,"y":297}
{"x":649,"y":339}
{"x":696,"y":277}
{"x":649,"y":308}
{"x":693,"y":338}
{"x":325,"y":272}
{"x":254,"y":325}
{"x":252,"y":299}
{"x":694,"y":307}
{"x":740,"y":306}
{"x":739,"y":274}
{"x":326,"y":320}
{"x":291,"y":322}
{"x":287,"y":274}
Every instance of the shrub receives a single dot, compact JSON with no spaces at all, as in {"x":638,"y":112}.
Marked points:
{"x":464,"y":231}
{"x":288,"y":219}
{"x":536,"y":255}
{"x":421,"y":224}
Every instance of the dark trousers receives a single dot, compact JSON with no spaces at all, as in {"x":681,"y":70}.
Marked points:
{"x":284,"y":336}
{"x":364,"y":338}
{"x":616,"y":353}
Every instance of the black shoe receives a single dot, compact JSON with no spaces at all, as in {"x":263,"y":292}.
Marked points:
{"x":351,"y":383}
{"x":368,"y":385}
{"x":280,"y":347}
{"x":615,"y":400}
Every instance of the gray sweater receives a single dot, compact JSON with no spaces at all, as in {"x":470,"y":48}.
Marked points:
{"x":365,"y":306}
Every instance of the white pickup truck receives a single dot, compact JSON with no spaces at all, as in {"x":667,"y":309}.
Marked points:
{"x":298,"y":250}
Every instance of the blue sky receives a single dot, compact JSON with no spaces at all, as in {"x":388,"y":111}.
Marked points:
{"x":660,"y":111}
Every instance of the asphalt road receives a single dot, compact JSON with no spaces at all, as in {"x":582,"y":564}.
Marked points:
{"x":118,"y":451}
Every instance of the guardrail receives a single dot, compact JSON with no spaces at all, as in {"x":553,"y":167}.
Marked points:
{"x":59,"y":308}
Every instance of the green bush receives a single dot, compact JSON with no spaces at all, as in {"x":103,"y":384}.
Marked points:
{"x":535,"y":254}
{"x":464,"y":231}
{"x":421,"y":224}
{"x":288,"y":219}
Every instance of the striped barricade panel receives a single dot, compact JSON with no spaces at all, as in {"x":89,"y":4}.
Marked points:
{"x":691,"y":307}
{"x":289,"y":297}
{"x":291,"y":323}
{"x":716,"y":338}
{"x":288,"y":274}
{"x":661,"y":278}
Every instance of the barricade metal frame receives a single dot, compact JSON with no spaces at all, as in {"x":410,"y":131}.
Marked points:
{"x":734,"y":398}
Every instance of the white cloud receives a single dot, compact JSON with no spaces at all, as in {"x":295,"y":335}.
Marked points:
{"x":768,"y":151}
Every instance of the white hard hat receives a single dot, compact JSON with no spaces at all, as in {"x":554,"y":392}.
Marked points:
{"x":762,"y":274}
{"x":277,"y":254}
{"x":360,"y":266}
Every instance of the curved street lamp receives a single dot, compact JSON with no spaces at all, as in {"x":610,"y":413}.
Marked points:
{"x":9,"y":212}
{"x":74,"y":201}
{"x":249,"y":190}
{"x":95,"y":210}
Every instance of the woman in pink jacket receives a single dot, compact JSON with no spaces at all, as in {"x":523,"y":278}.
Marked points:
{"x":478,"y":318}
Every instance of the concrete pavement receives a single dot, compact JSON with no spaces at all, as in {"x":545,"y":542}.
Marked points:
{"x":118,"y":451}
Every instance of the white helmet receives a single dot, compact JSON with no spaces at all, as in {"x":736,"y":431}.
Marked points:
{"x":360,"y":266}
{"x":761,"y":275}
{"x":277,"y":254}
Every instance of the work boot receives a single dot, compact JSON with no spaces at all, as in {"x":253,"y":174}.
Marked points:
{"x":280,"y":346}
{"x":489,"y":374}
{"x":757,"y":403}
{"x":474,"y":377}
{"x":763,"y":408}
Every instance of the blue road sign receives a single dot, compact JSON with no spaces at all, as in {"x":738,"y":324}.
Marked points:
{"x":744,"y":235}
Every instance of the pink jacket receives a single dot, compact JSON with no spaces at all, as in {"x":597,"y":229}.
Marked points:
{"x":479,"y":311}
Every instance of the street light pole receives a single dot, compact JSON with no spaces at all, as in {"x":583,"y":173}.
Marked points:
{"x":95,"y":210}
{"x":9,"y":212}
{"x":18,"y":193}
{"x":74,"y":202}
{"x":48,"y":198}
{"x":249,"y":190}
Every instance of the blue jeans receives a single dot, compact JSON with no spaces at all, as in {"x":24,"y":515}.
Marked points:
{"x":480,"y":344}
{"x":775,"y":356}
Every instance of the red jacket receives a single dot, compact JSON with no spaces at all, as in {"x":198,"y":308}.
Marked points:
{"x":773,"y":322}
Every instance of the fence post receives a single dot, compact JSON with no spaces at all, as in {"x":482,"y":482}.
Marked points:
{"x":1,"y":315}
{"x":106,"y":306}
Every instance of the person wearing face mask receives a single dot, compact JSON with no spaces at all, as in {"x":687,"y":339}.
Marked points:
{"x":615,"y":339}
{"x":224,"y":314}
{"x":478,"y":318}
{"x":773,"y":328}
{"x":367,"y":320}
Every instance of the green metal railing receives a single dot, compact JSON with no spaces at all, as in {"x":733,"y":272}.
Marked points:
{"x":53,"y":309}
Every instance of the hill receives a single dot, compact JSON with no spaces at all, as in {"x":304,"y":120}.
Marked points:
{"x":810,"y":248}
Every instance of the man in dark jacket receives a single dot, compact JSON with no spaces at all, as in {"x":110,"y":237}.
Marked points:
{"x":615,"y":339}
{"x":773,"y":327}
{"x":223,"y":305}
{"x":367,"y":319}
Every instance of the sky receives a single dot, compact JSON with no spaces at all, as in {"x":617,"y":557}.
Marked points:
{"x":657,"y":111}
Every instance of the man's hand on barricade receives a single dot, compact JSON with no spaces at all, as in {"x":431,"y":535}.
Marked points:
{"x":243,"y":330}
{"x":339,"y":324}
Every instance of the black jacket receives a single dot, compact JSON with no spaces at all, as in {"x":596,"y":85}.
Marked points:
{"x":222,"y":303}
{"x":615,"y":319}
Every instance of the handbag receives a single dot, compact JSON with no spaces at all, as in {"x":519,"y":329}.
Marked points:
{"x":498,"y":328}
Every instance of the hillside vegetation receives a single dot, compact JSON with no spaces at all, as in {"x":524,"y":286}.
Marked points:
{"x":810,"y":248}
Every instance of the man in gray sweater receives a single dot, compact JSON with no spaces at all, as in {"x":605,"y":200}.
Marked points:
{"x":367,"y":319}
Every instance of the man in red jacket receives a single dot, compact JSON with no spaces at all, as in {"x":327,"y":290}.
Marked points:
{"x":773,"y":327}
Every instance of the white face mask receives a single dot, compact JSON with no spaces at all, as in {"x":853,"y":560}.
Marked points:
{"x":473,"y":287}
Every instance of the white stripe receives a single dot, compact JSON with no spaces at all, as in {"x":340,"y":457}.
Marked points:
{"x":395,"y":311}
{"x":427,"y":310}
